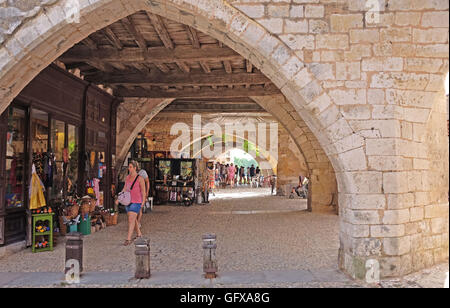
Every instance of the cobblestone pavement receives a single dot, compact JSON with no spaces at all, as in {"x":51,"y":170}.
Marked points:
{"x":435,"y":277}
{"x":255,"y":234}
{"x":289,"y":239}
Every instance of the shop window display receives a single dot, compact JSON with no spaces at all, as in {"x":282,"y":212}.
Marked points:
{"x":175,"y":181}
{"x":45,"y":161}
{"x":39,"y":131}
{"x":72,"y":169}
{"x":186,"y":171}
{"x":164,"y":168}
{"x":15,"y":158}
{"x":42,"y":159}
{"x":58,"y":146}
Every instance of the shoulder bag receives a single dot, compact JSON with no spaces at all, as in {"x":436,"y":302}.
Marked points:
{"x":124,"y":197}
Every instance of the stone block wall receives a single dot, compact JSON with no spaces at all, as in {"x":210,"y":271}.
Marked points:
{"x":386,"y":80}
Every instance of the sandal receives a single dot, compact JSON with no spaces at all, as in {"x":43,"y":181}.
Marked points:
{"x":126,"y":243}
{"x":135,"y":237}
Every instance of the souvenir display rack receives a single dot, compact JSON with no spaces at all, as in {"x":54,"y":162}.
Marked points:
{"x":174,"y":179}
{"x":82,"y":215}
{"x":42,"y":231}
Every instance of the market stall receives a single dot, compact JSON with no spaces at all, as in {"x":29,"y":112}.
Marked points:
{"x":59,"y":130}
{"x":175,"y":180}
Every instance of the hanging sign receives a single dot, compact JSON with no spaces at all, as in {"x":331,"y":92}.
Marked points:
{"x":92,"y":159}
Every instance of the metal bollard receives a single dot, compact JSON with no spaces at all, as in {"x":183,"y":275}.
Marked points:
{"x":74,"y":248}
{"x":142,"y":251}
{"x":209,"y":256}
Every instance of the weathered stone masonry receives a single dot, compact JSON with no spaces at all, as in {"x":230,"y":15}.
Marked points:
{"x":365,"y":90}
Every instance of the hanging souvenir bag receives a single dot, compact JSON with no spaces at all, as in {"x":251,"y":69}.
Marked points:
{"x":36,"y":191}
{"x":173,"y":196}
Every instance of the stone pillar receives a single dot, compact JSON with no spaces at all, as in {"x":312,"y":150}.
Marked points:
{"x":396,"y":211}
{"x":291,"y":163}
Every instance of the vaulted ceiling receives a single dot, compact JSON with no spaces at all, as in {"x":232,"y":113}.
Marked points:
{"x":145,"y":55}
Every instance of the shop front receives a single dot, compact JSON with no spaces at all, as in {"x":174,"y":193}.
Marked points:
{"x":173,"y":180}
{"x":63,"y":128}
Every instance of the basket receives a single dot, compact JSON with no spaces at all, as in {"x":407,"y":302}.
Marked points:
{"x":108,"y":219}
{"x":104,"y":215}
{"x":73,"y":211}
{"x":92,"y":203}
{"x":115,"y":218}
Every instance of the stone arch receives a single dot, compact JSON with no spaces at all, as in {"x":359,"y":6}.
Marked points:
{"x":45,"y":34}
{"x":132,"y":116}
{"x":320,"y":170}
{"x":54,"y":35}
{"x":304,"y":93}
{"x":258,"y":160}
{"x":41,"y":39}
{"x":240,"y":141}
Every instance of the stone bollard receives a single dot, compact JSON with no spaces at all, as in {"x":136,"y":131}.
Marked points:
{"x":74,"y":249}
{"x":142,"y":252}
{"x":209,"y":256}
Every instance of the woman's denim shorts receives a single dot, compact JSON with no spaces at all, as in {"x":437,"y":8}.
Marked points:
{"x":133,"y":207}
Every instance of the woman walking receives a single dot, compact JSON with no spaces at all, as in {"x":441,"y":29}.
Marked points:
{"x":227,"y":178}
{"x":135,"y":184}
{"x":231,"y":173}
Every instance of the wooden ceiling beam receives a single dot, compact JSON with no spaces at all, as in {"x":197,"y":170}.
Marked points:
{"x":90,"y":43}
{"x":141,"y":68}
{"x":191,"y":93}
{"x":127,"y":22}
{"x":205,"y":67}
{"x":160,"y":28}
{"x":193,"y":36}
{"x":100,"y":66}
{"x":153,"y":54}
{"x":179,"y":79}
{"x":213,"y":108}
{"x":112,"y":38}
{"x":249,"y":66}
{"x":227,"y":66}
{"x":180,"y":103}
{"x":162,"y":67}
{"x":119,"y":66}
{"x":183,"y":66}
{"x":217,"y":100}
{"x":82,"y":66}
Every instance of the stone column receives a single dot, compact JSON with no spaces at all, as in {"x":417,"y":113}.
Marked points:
{"x":396,"y":210}
{"x":291,"y":164}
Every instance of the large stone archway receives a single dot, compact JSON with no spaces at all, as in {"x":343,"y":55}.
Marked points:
{"x":364,"y":87}
{"x":310,"y":160}
{"x":132,"y":116}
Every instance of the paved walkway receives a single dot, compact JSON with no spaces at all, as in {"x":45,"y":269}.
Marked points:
{"x":253,"y":234}
{"x":262,"y":240}
{"x":429,"y":278}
